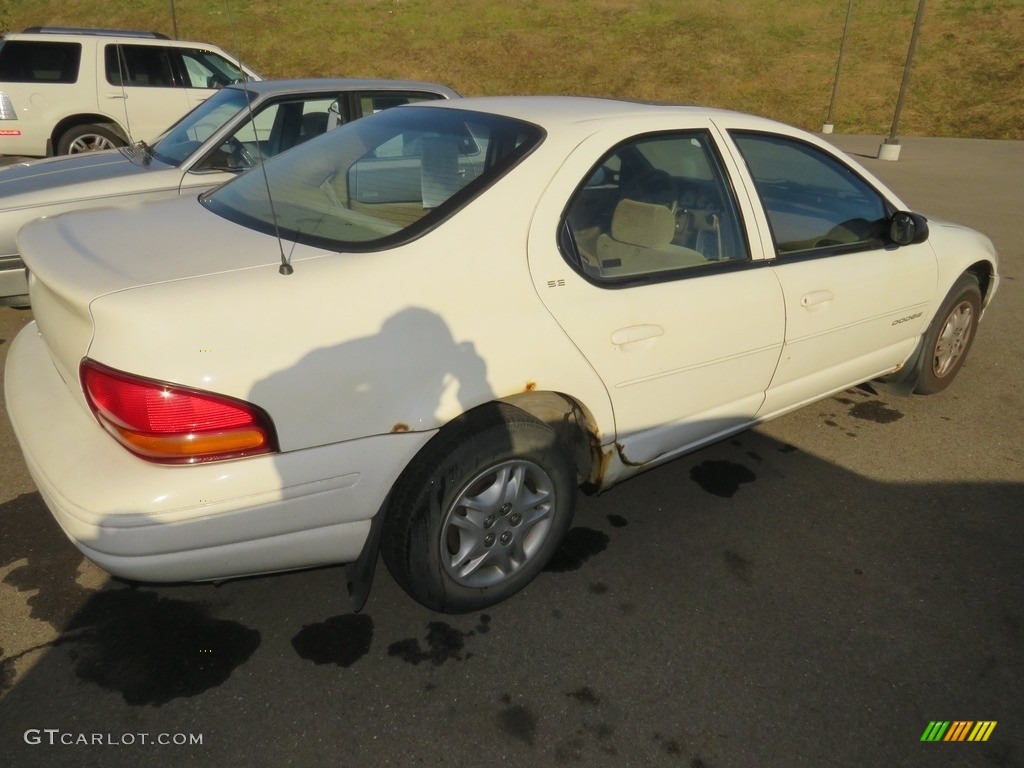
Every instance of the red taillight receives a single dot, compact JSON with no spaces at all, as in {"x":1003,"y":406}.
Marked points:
{"x":167,"y":423}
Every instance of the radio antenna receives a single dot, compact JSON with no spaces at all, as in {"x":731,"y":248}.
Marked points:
{"x":286,"y":265}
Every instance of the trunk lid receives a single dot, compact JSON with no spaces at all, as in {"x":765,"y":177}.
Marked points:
{"x":75,"y":258}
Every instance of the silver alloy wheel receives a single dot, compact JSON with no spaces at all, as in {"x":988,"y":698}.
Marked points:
{"x":497,"y":522}
{"x":953,"y":339}
{"x":90,"y":142}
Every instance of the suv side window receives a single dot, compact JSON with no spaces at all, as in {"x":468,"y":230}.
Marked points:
{"x":28,"y":61}
{"x":145,"y":66}
{"x":657,"y":204}
{"x":812,"y":200}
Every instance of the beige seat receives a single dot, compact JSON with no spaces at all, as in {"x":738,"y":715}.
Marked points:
{"x":313,"y":124}
{"x":640,"y":241}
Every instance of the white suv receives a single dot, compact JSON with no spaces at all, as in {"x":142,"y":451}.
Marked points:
{"x":68,"y":90}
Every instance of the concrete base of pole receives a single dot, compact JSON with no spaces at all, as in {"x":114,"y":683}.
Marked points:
{"x":827,"y":128}
{"x":889,"y":151}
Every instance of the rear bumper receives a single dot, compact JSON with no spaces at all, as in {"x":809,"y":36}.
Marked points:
{"x":152,"y":522}
{"x":22,"y":144}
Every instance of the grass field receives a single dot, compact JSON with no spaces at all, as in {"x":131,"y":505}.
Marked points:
{"x":771,"y":57}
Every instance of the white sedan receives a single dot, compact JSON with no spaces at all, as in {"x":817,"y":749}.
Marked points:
{"x":226,"y":134}
{"x":423,"y":331}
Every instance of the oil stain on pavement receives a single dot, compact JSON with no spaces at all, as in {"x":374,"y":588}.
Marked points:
{"x":517,"y":721}
{"x":876,"y":411}
{"x":341,"y":640}
{"x":6,"y":673}
{"x":153,"y":649}
{"x":592,"y":738}
{"x":444,"y":643}
{"x":721,"y":478}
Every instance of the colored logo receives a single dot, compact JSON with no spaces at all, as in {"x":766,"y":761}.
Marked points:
{"x":958,"y":730}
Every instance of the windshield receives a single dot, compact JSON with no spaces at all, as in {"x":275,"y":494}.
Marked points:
{"x":377,"y":181}
{"x":189,"y":133}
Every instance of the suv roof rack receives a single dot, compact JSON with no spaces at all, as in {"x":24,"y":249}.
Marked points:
{"x":102,"y":32}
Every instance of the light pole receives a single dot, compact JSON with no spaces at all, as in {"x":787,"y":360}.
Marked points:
{"x":890,"y":149}
{"x":827,"y":128}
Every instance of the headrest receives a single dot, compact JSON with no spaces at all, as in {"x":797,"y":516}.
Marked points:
{"x":645,"y":224}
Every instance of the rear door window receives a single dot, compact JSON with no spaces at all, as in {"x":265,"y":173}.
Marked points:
{"x":656,"y":207}
{"x":143,"y":66}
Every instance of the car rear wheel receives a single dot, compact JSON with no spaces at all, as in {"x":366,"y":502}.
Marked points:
{"x":949,"y":338}
{"x":481,"y":510}
{"x":88,"y":138}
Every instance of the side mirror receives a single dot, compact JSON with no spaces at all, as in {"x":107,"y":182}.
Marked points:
{"x":908,"y":228}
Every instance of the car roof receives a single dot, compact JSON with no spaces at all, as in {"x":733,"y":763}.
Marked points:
{"x":273,"y":87}
{"x":554,"y":111}
{"x":136,"y":38}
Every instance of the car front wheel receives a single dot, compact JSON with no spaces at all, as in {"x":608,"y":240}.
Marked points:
{"x":88,"y":138}
{"x":477,"y":515}
{"x":949,"y":337}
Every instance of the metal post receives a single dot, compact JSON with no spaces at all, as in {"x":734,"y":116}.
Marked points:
{"x":890,"y":149}
{"x":827,"y":128}
{"x":174,"y":20}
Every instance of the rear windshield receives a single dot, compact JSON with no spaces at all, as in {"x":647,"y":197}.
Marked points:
{"x":377,"y":181}
{"x":30,"y":61}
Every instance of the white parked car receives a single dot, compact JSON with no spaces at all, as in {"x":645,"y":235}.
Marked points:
{"x":65,"y":90}
{"x":224,"y":135}
{"x":445,"y":318}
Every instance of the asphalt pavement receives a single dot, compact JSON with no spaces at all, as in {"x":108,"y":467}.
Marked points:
{"x":815,"y":592}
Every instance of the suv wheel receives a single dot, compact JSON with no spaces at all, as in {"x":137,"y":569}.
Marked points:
{"x":88,"y":138}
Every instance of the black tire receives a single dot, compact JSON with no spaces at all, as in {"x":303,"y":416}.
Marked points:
{"x":950,"y":336}
{"x":479,"y":511}
{"x":88,"y":138}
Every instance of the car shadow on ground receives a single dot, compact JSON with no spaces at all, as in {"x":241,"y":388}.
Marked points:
{"x":706,"y":611}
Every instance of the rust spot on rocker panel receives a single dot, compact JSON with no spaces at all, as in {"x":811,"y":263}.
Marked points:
{"x":400,"y":427}
{"x":624,"y":459}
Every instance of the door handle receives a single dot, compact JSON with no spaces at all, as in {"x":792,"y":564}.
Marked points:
{"x":636,"y":333}
{"x":816,"y":297}
{"x":117,"y":96}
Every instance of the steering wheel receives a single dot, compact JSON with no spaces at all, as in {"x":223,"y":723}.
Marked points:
{"x":653,"y":186}
{"x":241,"y":153}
